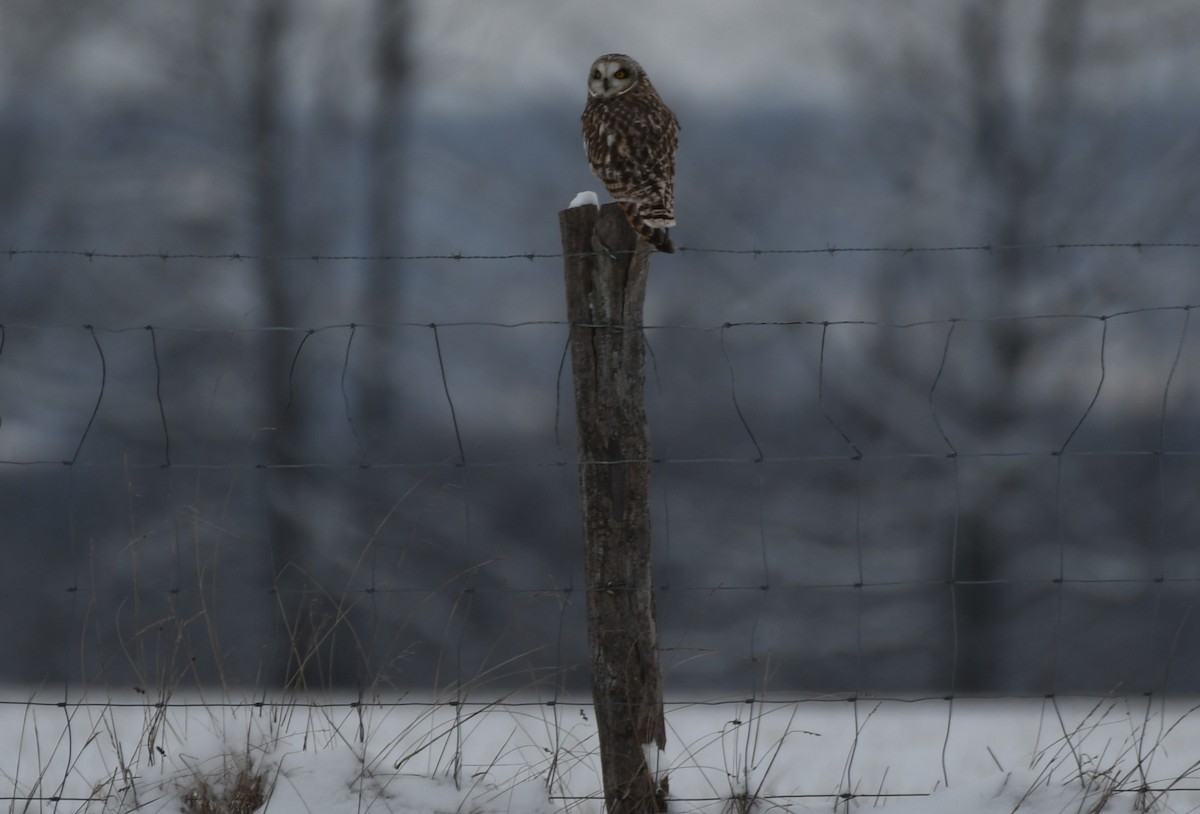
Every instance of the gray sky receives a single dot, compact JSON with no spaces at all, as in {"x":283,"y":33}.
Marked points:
{"x":473,"y":52}
{"x":477,"y":52}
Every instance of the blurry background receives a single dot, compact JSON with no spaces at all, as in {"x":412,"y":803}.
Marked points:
{"x":927,"y":472}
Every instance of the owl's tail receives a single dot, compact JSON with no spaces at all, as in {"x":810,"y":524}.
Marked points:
{"x":656,"y":236}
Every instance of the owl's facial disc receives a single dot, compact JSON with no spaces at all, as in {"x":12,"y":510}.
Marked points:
{"x":610,"y":76}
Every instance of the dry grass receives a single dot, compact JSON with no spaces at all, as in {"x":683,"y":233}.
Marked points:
{"x":244,"y":792}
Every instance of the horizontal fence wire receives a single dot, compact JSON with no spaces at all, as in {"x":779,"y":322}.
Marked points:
{"x":350,"y":327}
{"x":308,"y":330}
{"x":469,"y":709}
{"x":986,"y":248}
{"x":468,"y":702}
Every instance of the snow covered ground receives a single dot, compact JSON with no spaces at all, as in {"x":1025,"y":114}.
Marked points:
{"x":527,"y":755}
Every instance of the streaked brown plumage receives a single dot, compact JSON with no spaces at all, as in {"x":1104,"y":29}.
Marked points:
{"x":630,"y":137}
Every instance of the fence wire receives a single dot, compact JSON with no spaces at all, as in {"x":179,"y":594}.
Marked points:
{"x":750,"y":594}
{"x":986,"y":248}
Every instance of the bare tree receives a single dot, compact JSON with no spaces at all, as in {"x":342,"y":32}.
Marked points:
{"x":288,"y":527}
{"x":321,"y":624}
{"x":997,"y":115}
{"x":385,"y":142}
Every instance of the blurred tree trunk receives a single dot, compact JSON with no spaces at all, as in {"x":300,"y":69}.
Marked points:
{"x":1013,"y":154}
{"x":377,"y":394}
{"x":390,"y":66}
{"x":287,"y":532}
{"x":319,"y":644}
{"x":1010,"y":150}
{"x":270,"y":215}
{"x":1015,"y":145}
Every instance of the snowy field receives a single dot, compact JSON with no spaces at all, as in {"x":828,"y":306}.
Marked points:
{"x":526,"y":755}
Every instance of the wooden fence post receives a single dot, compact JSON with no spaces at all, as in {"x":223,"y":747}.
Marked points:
{"x":606,"y":264}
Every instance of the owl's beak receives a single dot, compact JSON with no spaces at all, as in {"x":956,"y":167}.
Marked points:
{"x":606,"y":83}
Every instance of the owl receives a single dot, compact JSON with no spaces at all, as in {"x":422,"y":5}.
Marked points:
{"x":630,"y":137}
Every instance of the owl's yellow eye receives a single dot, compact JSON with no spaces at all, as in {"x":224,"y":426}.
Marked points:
{"x":621,"y":74}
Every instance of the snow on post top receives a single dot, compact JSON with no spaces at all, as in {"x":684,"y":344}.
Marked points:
{"x":585,"y":198}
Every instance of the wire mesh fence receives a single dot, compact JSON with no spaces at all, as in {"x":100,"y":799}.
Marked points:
{"x":912,"y":509}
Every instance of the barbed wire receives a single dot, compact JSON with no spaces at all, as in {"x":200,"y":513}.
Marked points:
{"x":424,"y":465}
{"x":986,"y":248}
{"x":555,"y":591}
{"x":464,"y":698}
{"x":845,"y":797}
{"x":746,"y":710}
{"x":255,"y":698}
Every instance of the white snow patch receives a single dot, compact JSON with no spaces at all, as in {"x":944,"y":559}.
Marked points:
{"x":585,"y":198}
{"x":656,"y":761}
{"x":330,"y":757}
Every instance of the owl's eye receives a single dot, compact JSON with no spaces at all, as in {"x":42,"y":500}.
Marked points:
{"x":595,"y":74}
{"x":621,"y":74}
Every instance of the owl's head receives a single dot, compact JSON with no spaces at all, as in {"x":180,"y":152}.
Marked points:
{"x":614,"y":74}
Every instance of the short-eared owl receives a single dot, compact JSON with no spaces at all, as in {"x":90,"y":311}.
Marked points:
{"x":630,"y":137}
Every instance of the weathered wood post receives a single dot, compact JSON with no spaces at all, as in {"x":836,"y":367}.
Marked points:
{"x":606,"y":264}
